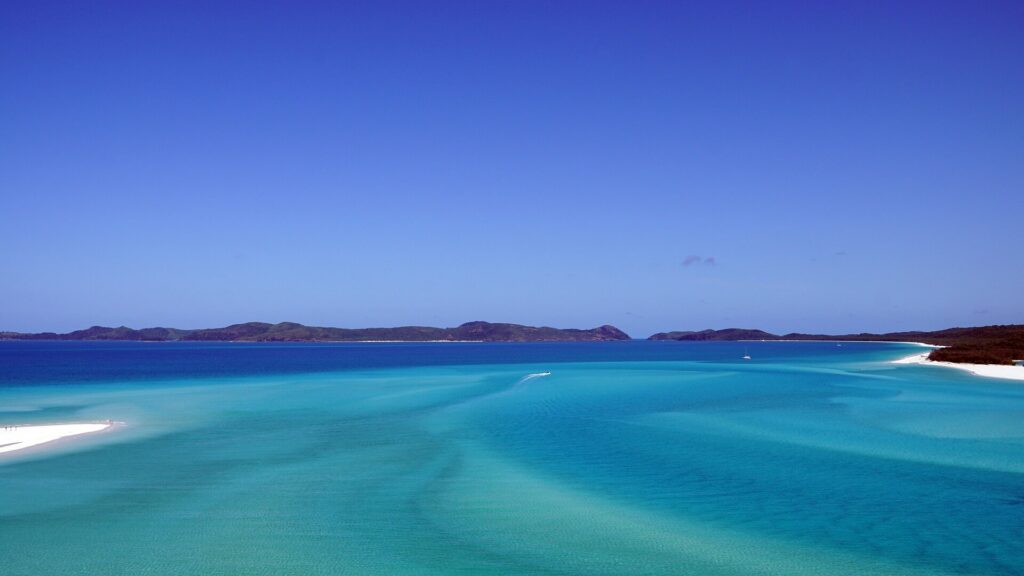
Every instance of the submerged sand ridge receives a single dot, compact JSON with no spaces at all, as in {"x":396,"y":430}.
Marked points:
{"x":18,"y":437}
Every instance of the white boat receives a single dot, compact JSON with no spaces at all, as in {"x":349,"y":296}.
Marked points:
{"x":746,"y":356}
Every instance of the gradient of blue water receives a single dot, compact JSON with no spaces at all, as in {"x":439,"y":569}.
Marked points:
{"x":633,"y":457}
{"x":46,"y":362}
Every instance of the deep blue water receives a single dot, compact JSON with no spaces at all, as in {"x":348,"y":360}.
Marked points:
{"x":48,"y":362}
{"x":465,"y":458}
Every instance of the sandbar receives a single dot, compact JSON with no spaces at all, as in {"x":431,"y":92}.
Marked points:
{"x":18,"y":437}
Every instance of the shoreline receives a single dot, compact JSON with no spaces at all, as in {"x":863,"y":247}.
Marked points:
{"x":841,"y":341}
{"x":1003,"y":371}
{"x":15,"y":437}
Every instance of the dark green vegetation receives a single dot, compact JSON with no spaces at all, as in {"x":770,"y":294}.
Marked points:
{"x":292,"y":332}
{"x":979,"y":345}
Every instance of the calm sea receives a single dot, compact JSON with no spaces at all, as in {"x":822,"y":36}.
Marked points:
{"x":624,"y":458}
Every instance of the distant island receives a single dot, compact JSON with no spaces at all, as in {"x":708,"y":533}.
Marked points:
{"x":292,"y":332}
{"x":978,"y":345}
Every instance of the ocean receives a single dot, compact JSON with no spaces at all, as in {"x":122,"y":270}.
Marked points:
{"x":618,"y":458}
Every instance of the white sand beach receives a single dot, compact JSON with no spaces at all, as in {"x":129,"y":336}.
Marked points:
{"x":989,"y":370}
{"x":15,"y":437}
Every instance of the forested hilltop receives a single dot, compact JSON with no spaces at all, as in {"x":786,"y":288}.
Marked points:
{"x":999,"y":344}
{"x":292,"y":332}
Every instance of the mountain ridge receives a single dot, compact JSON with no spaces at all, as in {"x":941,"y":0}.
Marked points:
{"x":293,"y":332}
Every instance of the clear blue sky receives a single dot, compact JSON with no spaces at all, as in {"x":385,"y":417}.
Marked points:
{"x":811,"y":166}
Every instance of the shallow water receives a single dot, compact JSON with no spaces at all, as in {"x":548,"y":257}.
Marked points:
{"x":628,"y":458}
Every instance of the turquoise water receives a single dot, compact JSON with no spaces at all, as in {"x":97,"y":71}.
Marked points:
{"x":627,"y":458}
